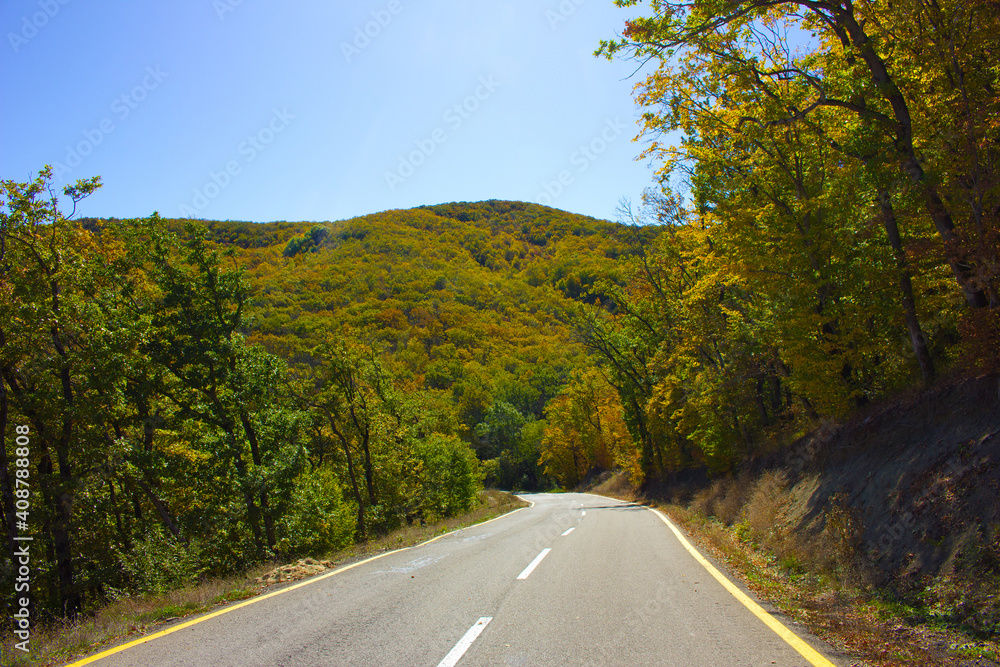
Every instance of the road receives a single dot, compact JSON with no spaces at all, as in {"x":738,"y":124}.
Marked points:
{"x":576,"y":579}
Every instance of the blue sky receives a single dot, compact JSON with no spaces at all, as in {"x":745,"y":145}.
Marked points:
{"x":311,"y":110}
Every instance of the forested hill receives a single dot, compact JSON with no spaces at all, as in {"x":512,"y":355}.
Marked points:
{"x":471,"y":299}
{"x":472,"y":306}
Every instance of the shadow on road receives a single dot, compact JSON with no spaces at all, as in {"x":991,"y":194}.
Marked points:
{"x":624,"y":506}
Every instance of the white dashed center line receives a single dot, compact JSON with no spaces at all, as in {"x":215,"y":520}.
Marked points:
{"x":465,"y":642}
{"x":534,"y":564}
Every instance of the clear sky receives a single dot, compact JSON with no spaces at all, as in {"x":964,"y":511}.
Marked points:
{"x":319,"y":110}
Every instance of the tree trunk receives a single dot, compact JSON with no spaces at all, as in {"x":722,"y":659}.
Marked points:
{"x":161,"y":509}
{"x":369,"y":471}
{"x":917,"y":338}
{"x":265,"y":507}
{"x":136,"y":505}
{"x":649,"y":460}
{"x":253,"y":513}
{"x":362,"y":529}
{"x":67,"y":597}
{"x":119,"y":524}
{"x":6,"y":483}
{"x":70,"y":597}
{"x":365,"y":432}
{"x":908,"y":161}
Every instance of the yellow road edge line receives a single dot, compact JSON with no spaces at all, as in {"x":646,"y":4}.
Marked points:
{"x":792,"y":639}
{"x":260,"y":598}
{"x":226,"y":610}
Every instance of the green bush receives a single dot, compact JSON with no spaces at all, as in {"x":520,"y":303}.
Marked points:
{"x":159,"y":562}
{"x":450,"y":478}
{"x":318,"y":518}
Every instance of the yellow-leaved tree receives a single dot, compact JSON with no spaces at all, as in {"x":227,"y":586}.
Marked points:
{"x":586,"y":432}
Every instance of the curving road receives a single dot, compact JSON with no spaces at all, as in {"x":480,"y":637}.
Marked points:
{"x":576,"y":579}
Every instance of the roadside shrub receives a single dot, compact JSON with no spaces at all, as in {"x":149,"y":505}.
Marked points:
{"x":159,"y":562}
{"x":705,"y":501}
{"x":729,"y":507}
{"x":836,"y":548}
{"x":450,"y":477}
{"x":765,"y":510}
{"x":725,"y":499}
{"x":318,"y":518}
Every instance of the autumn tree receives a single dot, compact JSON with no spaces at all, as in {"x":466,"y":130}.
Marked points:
{"x":585,"y":431}
{"x":214,"y":376}
{"x":901,"y":91}
{"x":943,"y":74}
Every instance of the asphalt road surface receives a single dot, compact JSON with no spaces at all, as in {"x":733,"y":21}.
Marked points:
{"x":576,"y":579}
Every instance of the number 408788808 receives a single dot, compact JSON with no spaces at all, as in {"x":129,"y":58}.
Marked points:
{"x":22,"y":492}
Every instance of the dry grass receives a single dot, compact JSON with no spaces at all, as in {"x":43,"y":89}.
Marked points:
{"x":129,"y":618}
{"x":616,"y":485}
{"x":725,"y":499}
{"x":764,"y":511}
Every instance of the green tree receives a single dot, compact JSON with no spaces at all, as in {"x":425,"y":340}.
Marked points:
{"x":449,"y":475}
{"x":54,"y":277}
{"x":215,"y":377}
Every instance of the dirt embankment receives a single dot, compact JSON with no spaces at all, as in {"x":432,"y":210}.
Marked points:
{"x":919,"y":475}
